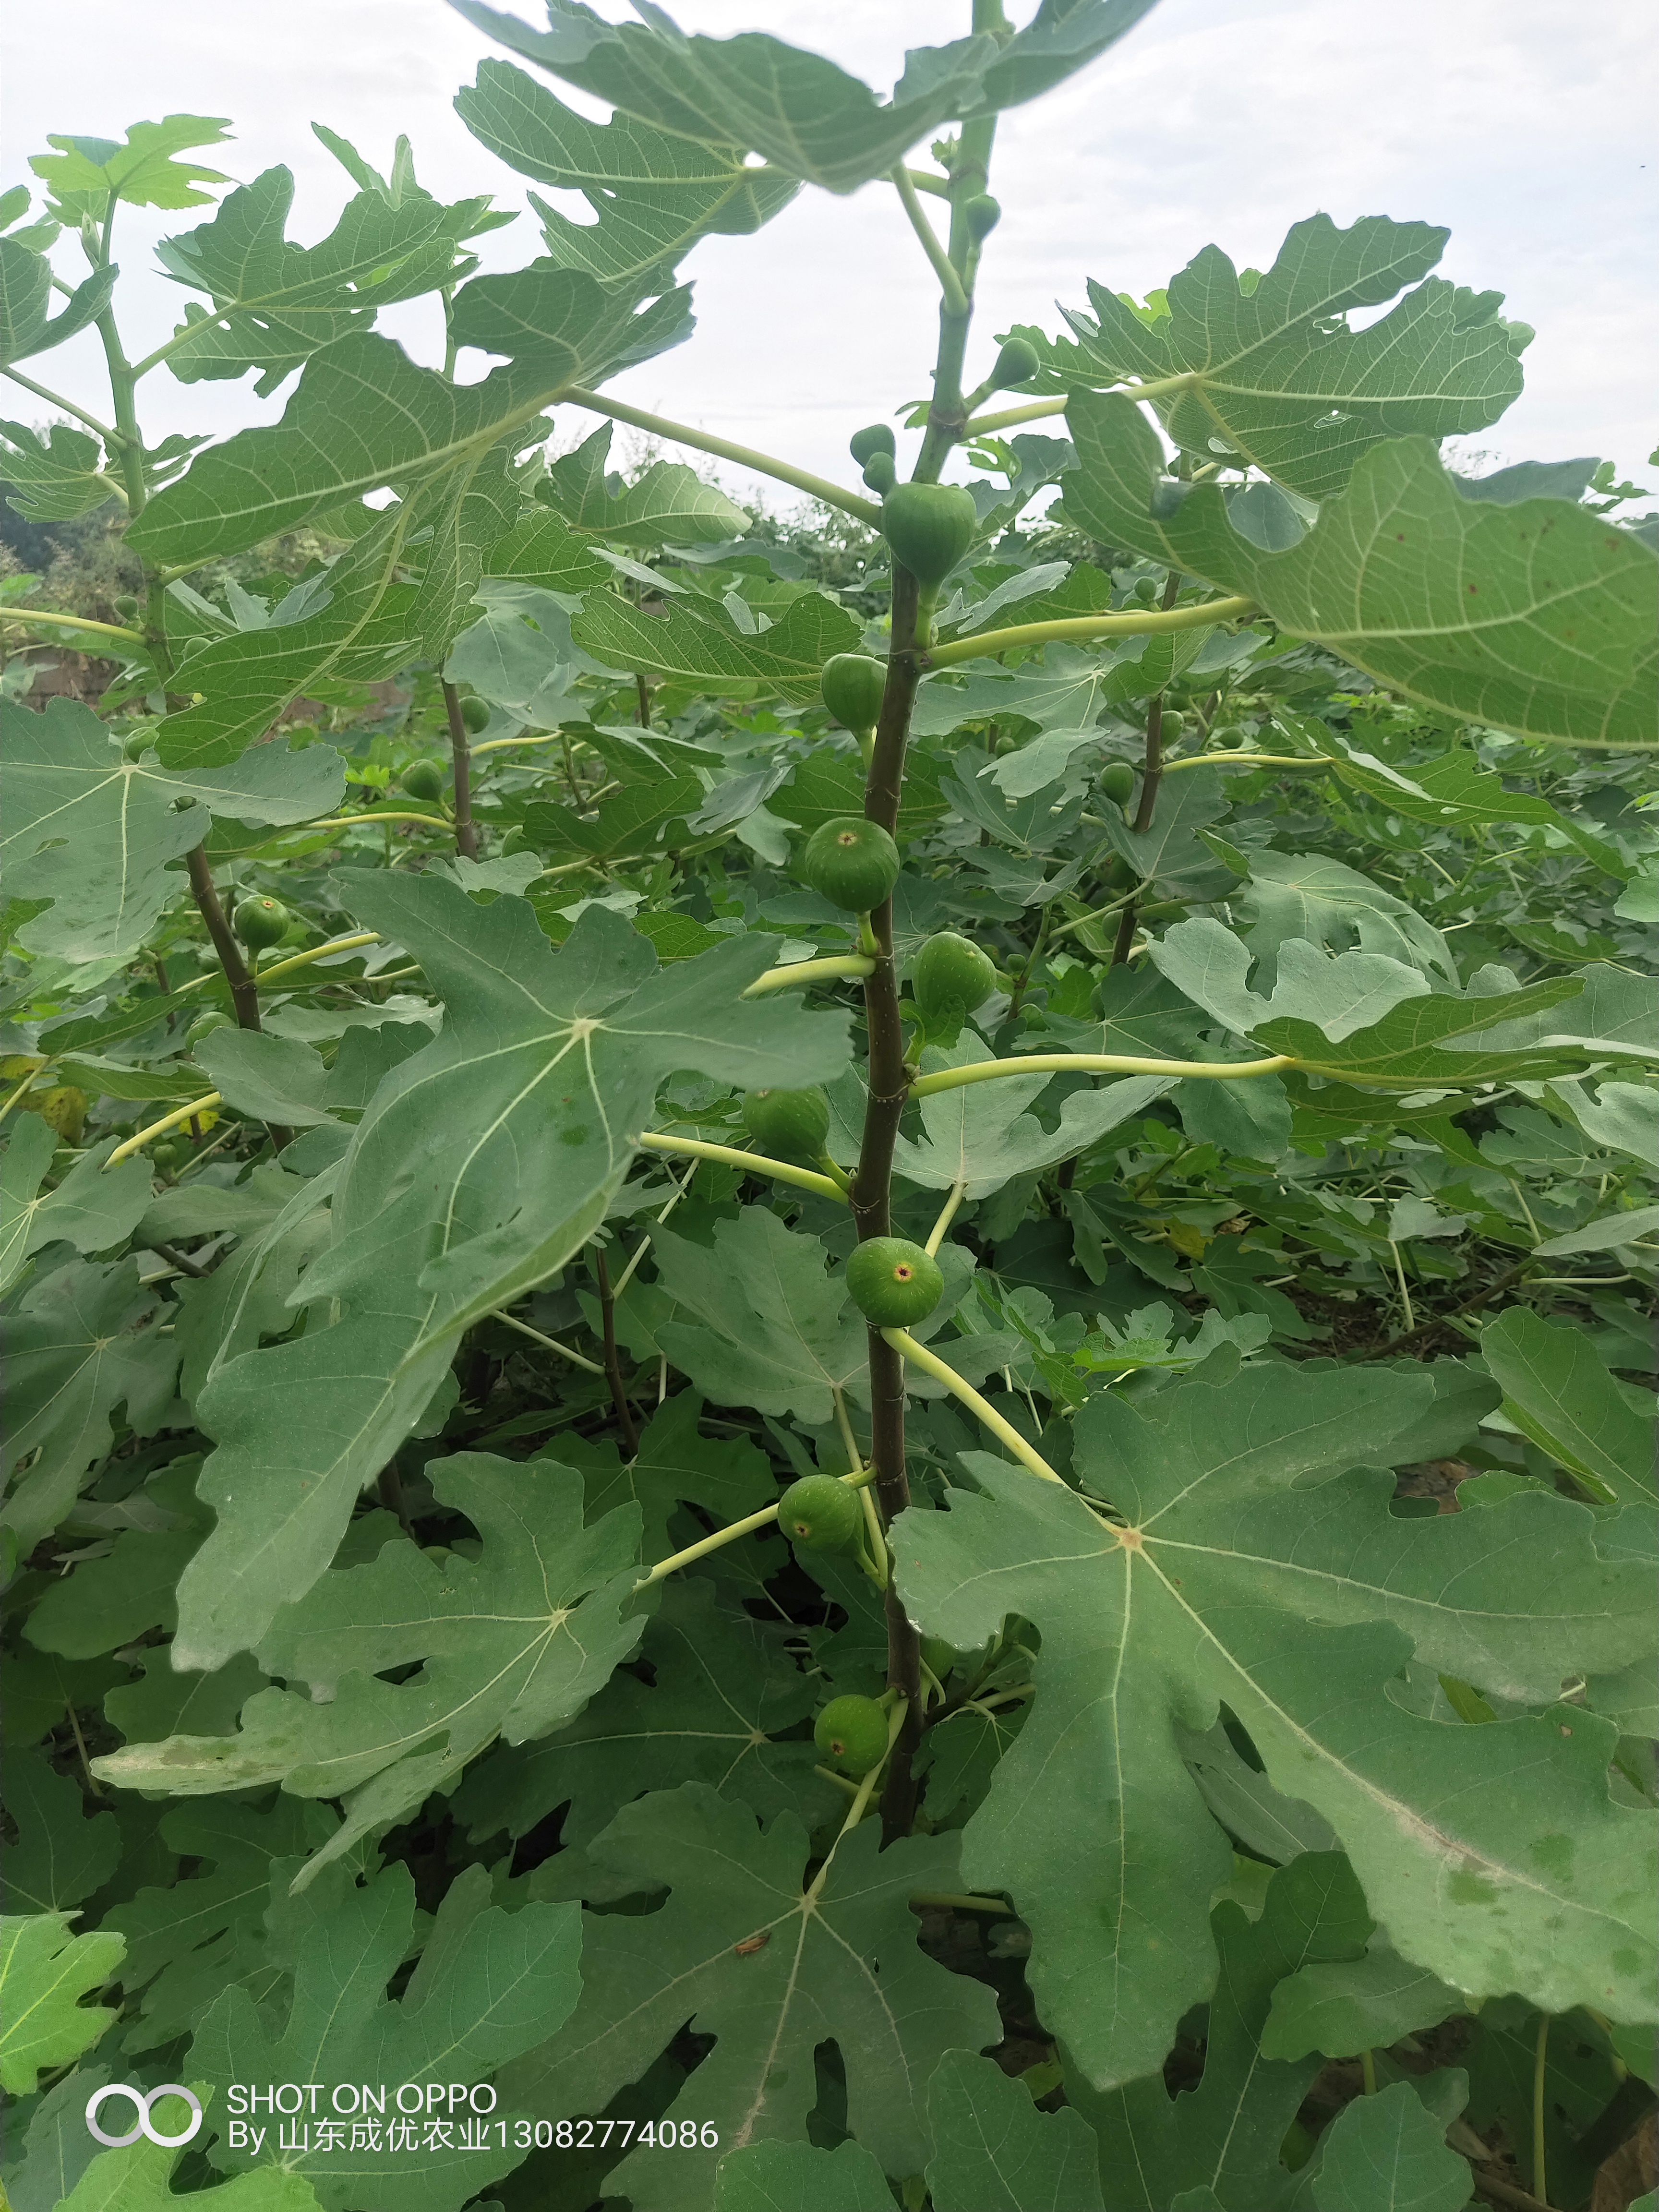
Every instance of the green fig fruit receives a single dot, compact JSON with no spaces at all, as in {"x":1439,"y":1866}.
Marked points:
{"x":790,"y":1125}
{"x":1144,"y":592}
{"x":125,"y":605}
{"x":475,"y":714}
{"x":851,"y":1733}
{"x":1231,"y":736}
{"x":820,"y":1513}
{"x":851,"y":684}
{"x":950,"y":976}
{"x":877,"y":438}
{"x":1017,"y":363}
{"x":929,"y":527}
{"x":1116,"y":781}
{"x":424,"y":778}
{"x":981,"y":214}
{"x":137,"y":744}
{"x":1172,"y":728}
{"x":260,"y":922}
{"x":881,"y":474}
{"x":204,"y":1025}
{"x":851,"y":862}
{"x":894,"y":1282}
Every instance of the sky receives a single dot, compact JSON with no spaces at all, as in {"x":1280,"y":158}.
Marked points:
{"x":1516,"y":123}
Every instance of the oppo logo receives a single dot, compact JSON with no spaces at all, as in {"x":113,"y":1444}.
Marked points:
{"x":145,"y":2100}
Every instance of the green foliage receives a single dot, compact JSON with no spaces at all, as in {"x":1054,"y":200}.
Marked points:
{"x":836,"y":1608}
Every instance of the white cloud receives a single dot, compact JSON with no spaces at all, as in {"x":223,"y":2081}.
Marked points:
{"x":1225,"y":120}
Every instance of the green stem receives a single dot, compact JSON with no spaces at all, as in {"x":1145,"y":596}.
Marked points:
{"x":1093,"y":1063}
{"x":947,"y":1214}
{"x":766,"y":465}
{"x":1082,"y":628}
{"x":808,"y":971}
{"x":170,"y":1120}
{"x":949,"y":284}
{"x":1368,"y":2071}
{"x":729,"y":1534}
{"x":548,"y":1343}
{"x":931,"y":1364}
{"x":1222,"y":759}
{"x":756,"y":1162}
{"x":57,"y":399}
{"x":69,"y":621}
{"x":1033,"y":411}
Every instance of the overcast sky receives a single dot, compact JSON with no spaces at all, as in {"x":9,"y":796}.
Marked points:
{"x":1517,"y":123}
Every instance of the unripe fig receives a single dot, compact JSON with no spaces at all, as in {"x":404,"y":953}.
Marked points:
{"x":475,"y":714}
{"x":125,"y":605}
{"x":950,"y":976}
{"x":851,"y":862}
{"x":1172,"y":726}
{"x":1118,"y":875}
{"x":851,"y":684}
{"x":425,"y":778}
{"x":791,"y":1125}
{"x":881,"y":474}
{"x":939,"y":1655}
{"x":260,"y":922}
{"x":136,"y":746}
{"x":929,"y":526}
{"x":167,"y":1154}
{"x":877,"y":438}
{"x":1231,"y":735}
{"x":204,"y":1025}
{"x":1144,"y":591}
{"x":515,"y":841}
{"x":981,"y":214}
{"x":1117,"y":780}
{"x":851,"y":1733}
{"x":894,"y":1282}
{"x":822,"y":1514}
{"x":1017,"y":363}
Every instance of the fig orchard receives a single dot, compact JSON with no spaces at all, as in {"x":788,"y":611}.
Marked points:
{"x":830,"y":1324}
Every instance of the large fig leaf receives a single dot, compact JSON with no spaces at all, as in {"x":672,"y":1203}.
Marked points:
{"x":1536,"y":617}
{"x":769,"y":1963}
{"x":482,"y":1163}
{"x":489,"y":1985}
{"x":1243,"y":1571}
{"x":1270,"y":373}
{"x":96,"y":834}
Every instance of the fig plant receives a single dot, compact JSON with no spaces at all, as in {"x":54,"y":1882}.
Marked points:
{"x":868,"y":1421}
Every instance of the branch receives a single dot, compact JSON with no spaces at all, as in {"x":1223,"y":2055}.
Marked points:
{"x":956,"y":300}
{"x":57,"y":399}
{"x":1081,"y":629}
{"x":550,"y":1343}
{"x":756,"y":1162}
{"x":69,"y":621}
{"x":1092,"y":1063}
{"x":160,"y":1128}
{"x":466,"y":831}
{"x":808,"y":971}
{"x":745,"y":456}
{"x":1035,"y":409}
{"x":732,"y":1530}
{"x":931,"y":1364}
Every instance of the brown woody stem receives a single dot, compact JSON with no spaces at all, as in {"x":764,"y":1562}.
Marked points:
{"x":466,"y":830}
{"x":613,"y":1375}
